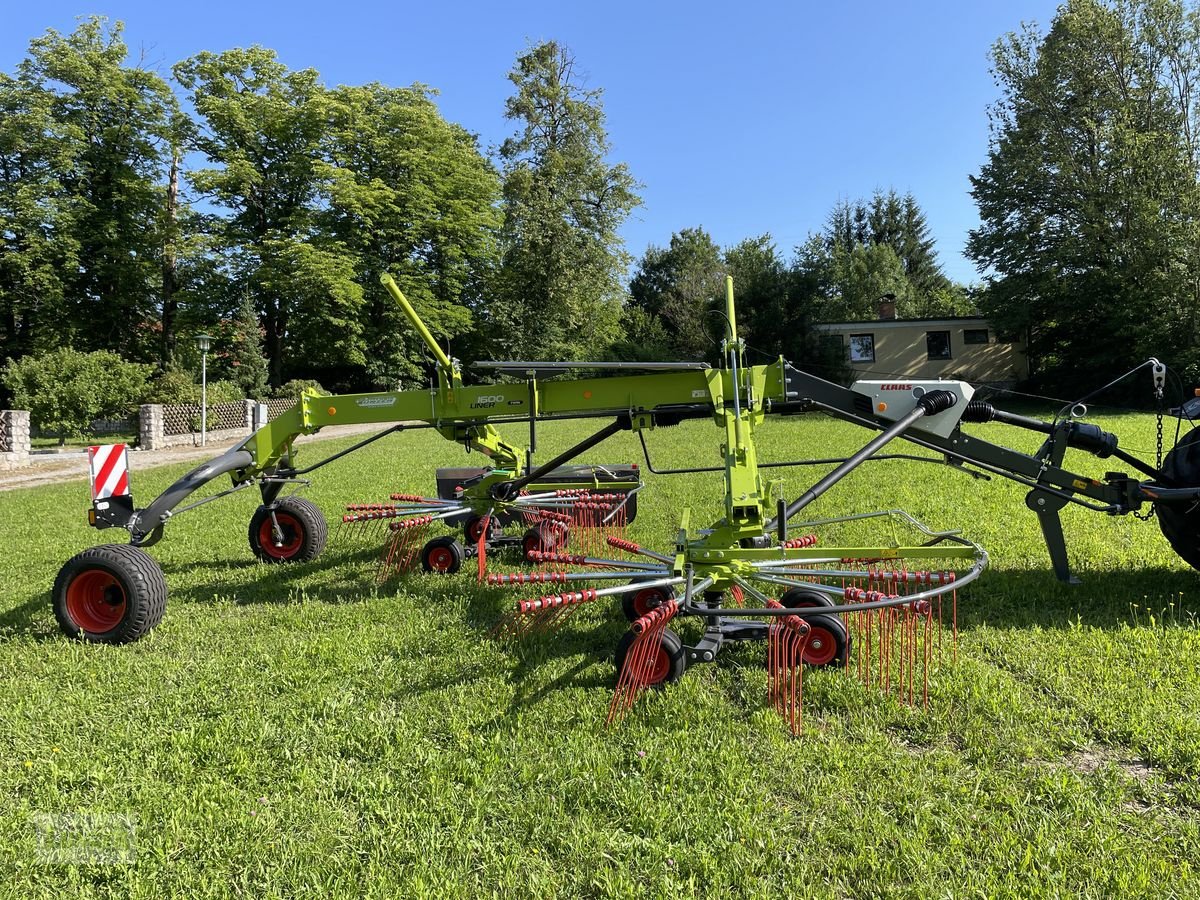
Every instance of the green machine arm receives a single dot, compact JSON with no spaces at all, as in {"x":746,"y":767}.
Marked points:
{"x":483,"y":438}
{"x":465,"y":415}
{"x":736,"y":396}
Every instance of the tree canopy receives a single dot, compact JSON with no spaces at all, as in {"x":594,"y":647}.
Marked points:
{"x":559,"y":290}
{"x":253,"y":201}
{"x":1088,"y":201}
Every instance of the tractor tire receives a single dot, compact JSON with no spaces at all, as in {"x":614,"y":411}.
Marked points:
{"x":443,"y":555}
{"x":666,"y":667}
{"x":110,"y":594}
{"x":636,"y":604}
{"x":303,"y":527}
{"x":828,"y":640}
{"x":1180,"y":522}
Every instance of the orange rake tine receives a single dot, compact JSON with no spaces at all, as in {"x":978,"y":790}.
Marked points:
{"x":634,"y":676}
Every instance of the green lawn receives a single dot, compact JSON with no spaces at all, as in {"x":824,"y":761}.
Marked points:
{"x":43,"y":443}
{"x":293,"y":731}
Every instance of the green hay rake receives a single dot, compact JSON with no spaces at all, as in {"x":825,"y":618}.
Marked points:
{"x":756,"y":574}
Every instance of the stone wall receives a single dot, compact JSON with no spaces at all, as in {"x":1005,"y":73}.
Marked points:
{"x":167,"y":425}
{"x":14,"y":438}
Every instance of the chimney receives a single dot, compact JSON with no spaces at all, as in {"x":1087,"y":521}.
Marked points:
{"x":887,"y":307}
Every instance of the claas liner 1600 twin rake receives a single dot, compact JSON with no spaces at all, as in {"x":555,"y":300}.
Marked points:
{"x":755,"y":574}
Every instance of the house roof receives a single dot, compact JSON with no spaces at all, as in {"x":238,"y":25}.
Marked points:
{"x":894,"y":323}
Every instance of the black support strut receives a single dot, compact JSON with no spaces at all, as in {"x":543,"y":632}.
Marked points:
{"x":930,"y":404}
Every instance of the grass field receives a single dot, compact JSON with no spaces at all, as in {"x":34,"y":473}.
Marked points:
{"x":293,"y":731}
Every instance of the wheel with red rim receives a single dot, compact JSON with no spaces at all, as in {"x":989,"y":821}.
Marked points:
{"x":828,"y":641}
{"x":663,"y":667}
{"x":474,"y":528}
{"x":111,"y":594}
{"x":544,"y":538}
{"x":295,"y":533}
{"x":443,"y":556}
{"x":636,"y":604}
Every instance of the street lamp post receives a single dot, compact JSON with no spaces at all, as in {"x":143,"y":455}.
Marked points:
{"x":204,"y":341}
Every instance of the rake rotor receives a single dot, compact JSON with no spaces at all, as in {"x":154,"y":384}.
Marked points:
{"x":862,"y":611}
{"x":555,"y":520}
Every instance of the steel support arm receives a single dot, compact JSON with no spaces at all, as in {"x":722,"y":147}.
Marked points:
{"x":808,"y":392}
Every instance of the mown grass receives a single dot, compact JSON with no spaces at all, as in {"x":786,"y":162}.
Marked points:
{"x":294,"y":731}
{"x":50,"y":441}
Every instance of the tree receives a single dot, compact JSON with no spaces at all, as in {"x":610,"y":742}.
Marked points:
{"x":82,"y":143}
{"x":65,"y":390}
{"x":411,"y":194}
{"x":116,"y":121}
{"x":878,"y":247}
{"x":914,"y":248}
{"x":558,"y":293}
{"x":769,"y":311}
{"x":680,"y":287}
{"x":1088,"y":201}
{"x":38,"y":244}
{"x":239,"y":353}
{"x":263,"y":128}
{"x":778,"y":307}
{"x":861,"y":275}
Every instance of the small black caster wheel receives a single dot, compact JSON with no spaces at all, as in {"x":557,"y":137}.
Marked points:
{"x":442,"y":555}
{"x":828,"y":641}
{"x":301,"y":534}
{"x":636,"y":604}
{"x":663,"y":667}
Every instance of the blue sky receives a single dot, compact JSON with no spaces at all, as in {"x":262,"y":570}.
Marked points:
{"x":742,"y":118}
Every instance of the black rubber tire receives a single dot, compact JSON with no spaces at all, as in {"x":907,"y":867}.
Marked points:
{"x":636,"y":604}
{"x":90,"y":585}
{"x":304,"y":532}
{"x":474,"y":525}
{"x":672,"y":660}
{"x":804,"y":598}
{"x":1180,"y":522}
{"x":443,"y":556}
{"x":828,"y":642}
{"x":546,"y":537}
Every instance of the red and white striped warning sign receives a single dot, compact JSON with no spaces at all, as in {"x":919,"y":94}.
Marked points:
{"x":110,"y":471}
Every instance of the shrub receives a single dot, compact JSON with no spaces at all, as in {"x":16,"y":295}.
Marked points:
{"x":223,"y":392}
{"x":291,"y":390}
{"x":173,"y":386}
{"x":65,"y":390}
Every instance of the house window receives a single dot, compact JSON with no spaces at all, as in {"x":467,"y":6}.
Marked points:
{"x":832,"y":346}
{"x":975,"y":336}
{"x":862,"y":348}
{"x":938,"y":344}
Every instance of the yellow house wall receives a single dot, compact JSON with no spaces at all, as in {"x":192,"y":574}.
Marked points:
{"x":900,"y":349}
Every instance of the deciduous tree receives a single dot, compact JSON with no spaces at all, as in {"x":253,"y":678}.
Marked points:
{"x":680,"y":287}
{"x":262,"y":128}
{"x":410,"y":194}
{"x":1088,"y":201}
